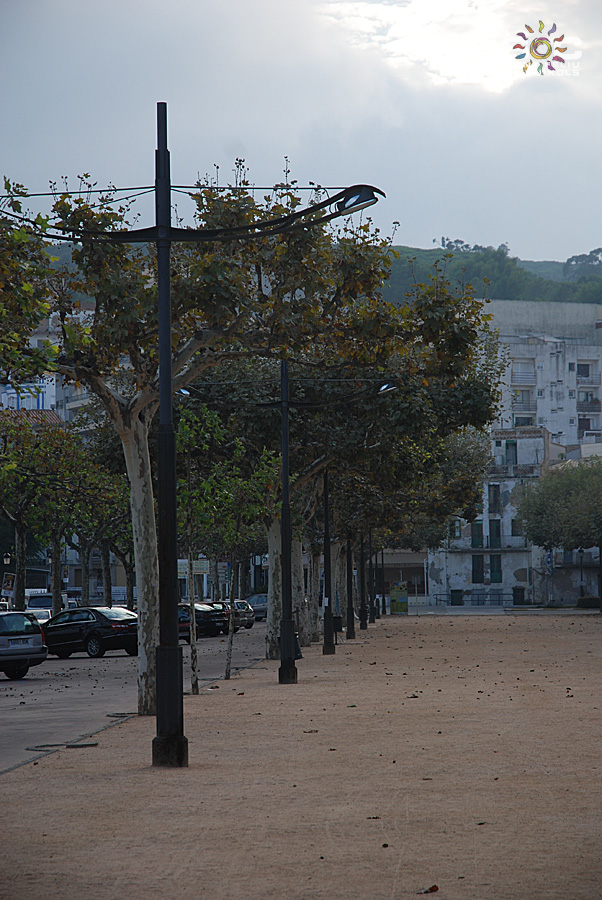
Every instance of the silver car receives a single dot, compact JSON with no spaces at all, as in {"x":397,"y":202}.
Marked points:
{"x":21,"y":644}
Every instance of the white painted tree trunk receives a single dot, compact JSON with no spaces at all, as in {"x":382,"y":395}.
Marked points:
{"x":274,"y":616}
{"x":135,"y":447}
{"x":300,"y":616}
{"x":339,"y":579}
{"x":314,"y":594}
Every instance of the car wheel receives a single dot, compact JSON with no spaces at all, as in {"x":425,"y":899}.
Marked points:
{"x":16,"y":672}
{"x":94,"y":647}
{"x":249,"y":624}
{"x":225,"y":630}
{"x":131,"y":651}
{"x":63,"y":654}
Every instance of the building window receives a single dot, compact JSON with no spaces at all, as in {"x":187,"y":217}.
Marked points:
{"x":478,"y":573}
{"x":495,"y":568}
{"x":571,"y":367}
{"x":540,"y":392}
{"x":571,"y":395}
{"x":522,"y":421}
{"x":518,"y":593}
{"x":516,"y":528}
{"x":495,"y":502}
{"x":495,"y":533}
{"x":571,"y":421}
{"x":511,"y":453}
{"x":476,"y":534}
{"x":583,"y":370}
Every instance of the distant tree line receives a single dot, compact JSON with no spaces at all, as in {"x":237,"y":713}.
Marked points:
{"x":495,"y":274}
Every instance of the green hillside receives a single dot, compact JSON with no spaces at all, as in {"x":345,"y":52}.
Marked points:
{"x":495,"y":274}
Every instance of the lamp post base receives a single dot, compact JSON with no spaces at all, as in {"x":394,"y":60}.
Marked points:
{"x":170,"y":751}
{"x":328,"y":649}
{"x":363,"y":619}
{"x":287,"y":673}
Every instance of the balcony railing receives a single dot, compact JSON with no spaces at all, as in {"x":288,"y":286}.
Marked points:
{"x":590,"y":380}
{"x":524,"y":377}
{"x":589,"y":406}
{"x":527,"y":406}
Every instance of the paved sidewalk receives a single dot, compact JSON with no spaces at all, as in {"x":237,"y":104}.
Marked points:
{"x":456,"y":753}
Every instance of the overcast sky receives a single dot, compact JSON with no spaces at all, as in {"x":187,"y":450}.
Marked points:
{"x":423,"y":98}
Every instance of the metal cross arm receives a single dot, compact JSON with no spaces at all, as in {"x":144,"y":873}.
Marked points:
{"x":349,"y":200}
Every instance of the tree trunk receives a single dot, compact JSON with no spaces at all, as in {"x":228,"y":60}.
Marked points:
{"x":84,"y":558}
{"x":105,"y":561}
{"x":300,"y":614}
{"x":194,"y":657}
{"x":314,"y":592}
{"x":233,"y":595}
{"x":274,"y":616}
{"x":215,"y":593}
{"x":20,"y":566}
{"x":55,"y":574}
{"x":339,"y":579}
{"x":137,"y":458}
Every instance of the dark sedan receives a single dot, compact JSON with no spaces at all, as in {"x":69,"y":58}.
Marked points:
{"x":21,"y":644}
{"x":208,"y":620}
{"x":93,"y":630}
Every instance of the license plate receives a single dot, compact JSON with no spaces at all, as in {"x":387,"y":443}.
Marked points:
{"x":14,"y":642}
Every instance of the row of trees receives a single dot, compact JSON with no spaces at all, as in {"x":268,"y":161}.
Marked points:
{"x":564,"y":508}
{"x":313,"y":296}
{"x":52,"y":486}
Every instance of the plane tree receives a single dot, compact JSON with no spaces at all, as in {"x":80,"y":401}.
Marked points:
{"x":564,"y":508}
{"x":25,"y":268}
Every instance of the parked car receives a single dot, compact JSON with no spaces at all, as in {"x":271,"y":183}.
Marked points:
{"x":209,"y":620}
{"x":42,"y":615}
{"x":41,"y":604}
{"x":21,"y":644}
{"x":184,"y":623}
{"x":259,"y":602}
{"x":224,"y":607}
{"x":247,"y":614}
{"x":93,"y":630}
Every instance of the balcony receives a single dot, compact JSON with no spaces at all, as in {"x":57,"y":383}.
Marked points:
{"x":525,"y":406}
{"x":525,"y":378}
{"x":589,"y":406}
{"x":588,"y":380}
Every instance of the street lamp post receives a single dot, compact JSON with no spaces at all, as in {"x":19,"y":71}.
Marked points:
{"x":372,"y":611}
{"x":328,"y":647}
{"x":287,"y":673}
{"x":350,"y":610}
{"x":581,"y":551}
{"x":363,"y":607}
{"x":170,"y":746}
{"x":382,"y":570}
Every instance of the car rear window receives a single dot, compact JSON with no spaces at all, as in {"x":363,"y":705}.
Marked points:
{"x":40,"y":601}
{"x":18,"y":623}
{"x":118,"y":612}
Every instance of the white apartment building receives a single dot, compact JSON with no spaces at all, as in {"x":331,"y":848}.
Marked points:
{"x":550,"y":410}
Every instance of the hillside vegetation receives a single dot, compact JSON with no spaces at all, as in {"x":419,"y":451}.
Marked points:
{"x":495,"y":274}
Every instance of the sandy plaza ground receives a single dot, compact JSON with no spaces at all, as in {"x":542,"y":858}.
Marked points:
{"x":456,"y":755}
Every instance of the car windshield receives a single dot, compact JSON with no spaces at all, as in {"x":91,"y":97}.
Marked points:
{"x":117,"y":612}
{"x":18,"y":623}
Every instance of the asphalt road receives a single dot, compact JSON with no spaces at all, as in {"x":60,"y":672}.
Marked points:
{"x":62,"y":701}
